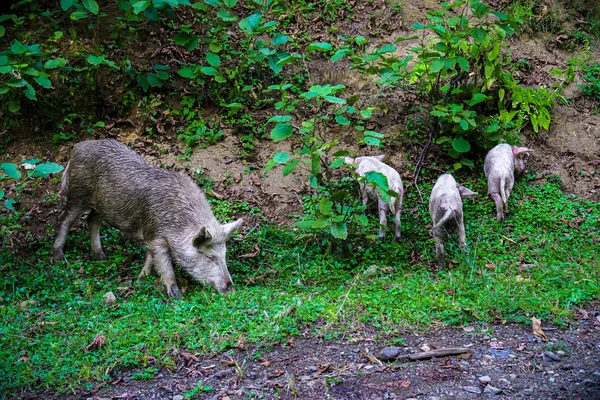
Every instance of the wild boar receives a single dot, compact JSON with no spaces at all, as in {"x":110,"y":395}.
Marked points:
{"x":375,"y":164}
{"x":165,"y":210}
{"x":446,"y":210}
{"x":500,"y":165}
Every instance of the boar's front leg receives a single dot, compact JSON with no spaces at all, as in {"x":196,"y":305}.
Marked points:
{"x":68,"y":218}
{"x":462,"y":237}
{"x":159,"y":253}
{"x":439,"y":251}
{"x":147,"y":270}
{"x":94,"y":222}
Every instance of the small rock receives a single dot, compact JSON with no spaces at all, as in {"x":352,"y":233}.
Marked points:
{"x":178,"y":397}
{"x":561,"y":353}
{"x":504,"y":382}
{"x":489,"y":389}
{"x":588,"y":382}
{"x":596,"y":373}
{"x":550,"y":355}
{"x":552,"y":380}
{"x":312,"y":368}
{"x":500,"y":353}
{"x":109,"y":298}
{"x":389,"y":353}
{"x":472,"y":389}
{"x":513,"y":376}
{"x":528,"y":392}
{"x":485,"y":379}
{"x":220,"y":374}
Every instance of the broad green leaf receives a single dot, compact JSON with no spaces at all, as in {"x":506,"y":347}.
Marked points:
{"x":91,"y":5}
{"x":208,"y":71}
{"x":43,"y":81}
{"x":162,"y":75}
{"x":269,"y":165}
{"x":2,"y":31}
{"x":280,"y":39}
{"x":140,"y":6}
{"x":160,"y":67}
{"x":463,"y":63}
{"x":342,"y":120}
{"x":6,"y":69}
{"x":78,"y":15}
{"x":226,"y":16}
{"x":30,"y":71}
{"x":437,"y":65}
{"x":281,"y":131}
{"x":291,"y":166}
{"x":95,"y":60}
{"x":477,"y":98}
{"x":339,"y":54}
{"x":464,"y":125}
{"x":230,"y":3}
{"x":18,"y":48}
{"x":319,"y":46}
{"x":29,"y":91}
{"x":10,"y":204}
{"x":289,"y":59}
{"x":281,"y":158}
{"x":213,"y":59}
{"x":461,"y":145}
{"x":338,"y":162}
{"x":1,"y":194}
{"x":10,"y":170}
{"x":45,"y":169}
{"x":14,"y":82}
{"x":66,"y":4}
{"x":154,"y":80}
{"x":333,"y":99}
{"x":339,"y":195}
{"x":479,"y":35}
{"x":366,"y":113}
{"x":215,"y":47}
{"x":374,"y":134}
{"x":57,"y":62}
{"x":14,"y":107}
{"x":378,"y":179}
{"x":325,"y":206}
{"x":249,"y":24}
{"x":280,"y":118}
{"x":339,"y":230}
{"x":361,"y":219}
{"x":187,"y":73}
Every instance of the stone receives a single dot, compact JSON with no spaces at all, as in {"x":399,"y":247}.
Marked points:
{"x":596,"y":373}
{"x":528,"y":392}
{"x":485,"y":379}
{"x":489,"y":389}
{"x":389,"y":353}
{"x":472,"y":389}
{"x":550,"y":355}
{"x":178,"y":397}
{"x":109,"y":298}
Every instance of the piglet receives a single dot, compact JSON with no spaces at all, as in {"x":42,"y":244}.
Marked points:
{"x":375,"y":164}
{"x":500,"y":165}
{"x":446,"y":210}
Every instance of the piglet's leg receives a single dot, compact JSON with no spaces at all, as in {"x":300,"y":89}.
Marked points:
{"x":461,"y":234}
{"x":499,"y":206}
{"x":147,"y":270}
{"x":383,"y":207}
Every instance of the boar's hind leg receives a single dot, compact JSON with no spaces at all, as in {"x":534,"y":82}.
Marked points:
{"x":462,"y":237}
{"x":68,"y":218}
{"x":94,"y":222}
{"x":439,"y":251}
{"x":162,"y":264}
{"x":499,"y":206}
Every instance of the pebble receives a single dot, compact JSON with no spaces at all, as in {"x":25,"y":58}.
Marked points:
{"x":561,"y":353}
{"x":596,"y":373}
{"x":109,"y":298}
{"x":389,"y":353}
{"x":550,"y":355}
{"x":528,"y":392}
{"x":220,"y":374}
{"x":500,"y":353}
{"x":492,"y":390}
{"x":178,"y":397}
{"x":472,"y":389}
{"x":485,"y":379}
{"x":504,"y":382}
{"x":588,"y":382}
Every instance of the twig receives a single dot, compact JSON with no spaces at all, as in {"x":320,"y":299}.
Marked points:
{"x":420,"y":161}
{"x":121,"y":273}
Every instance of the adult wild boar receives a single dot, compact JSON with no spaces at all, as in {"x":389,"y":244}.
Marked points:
{"x":165,"y":210}
{"x":375,"y":164}
{"x":446,"y":210}
{"x":500,"y":165}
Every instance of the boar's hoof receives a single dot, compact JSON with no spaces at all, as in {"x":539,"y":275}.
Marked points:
{"x":101,"y":256}
{"x":398,"y":238}
{"x":174,"y":292}
{"x":58,"y":254}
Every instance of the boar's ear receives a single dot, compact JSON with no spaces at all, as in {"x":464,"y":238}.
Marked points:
{"x":349,"y":160}
{"x":464,"y":192}
{"x":379,"y":157}
{"x":202,"y":237}
{"x":231,"y":227}
{"x":518,"y":150}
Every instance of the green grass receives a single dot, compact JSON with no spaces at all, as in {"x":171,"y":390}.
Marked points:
{"x":49,"y":312}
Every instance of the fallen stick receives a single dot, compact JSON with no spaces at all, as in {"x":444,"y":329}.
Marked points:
{"x":444,"y":352}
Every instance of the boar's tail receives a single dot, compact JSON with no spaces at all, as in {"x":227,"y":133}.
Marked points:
{"x":442,"y":221}
{"x":503,"y":190}
{"x":64,"y":186}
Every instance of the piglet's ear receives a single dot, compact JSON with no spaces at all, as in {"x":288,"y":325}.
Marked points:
{"x":203,"y":237}
{"x":464,"y":192}
{"x":349,"y":160}
{"x":518,"y":150}
{"x":230,"y":228}
{"x":379,"y":157}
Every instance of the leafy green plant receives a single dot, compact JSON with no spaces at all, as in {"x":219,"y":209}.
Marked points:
{"x":591,"y":79}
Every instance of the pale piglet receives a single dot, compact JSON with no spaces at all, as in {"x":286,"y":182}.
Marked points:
{"x":501,"y":163}
{"x":167,"y":211}
{"x":374,"y":164}
{"x":446,"y":210}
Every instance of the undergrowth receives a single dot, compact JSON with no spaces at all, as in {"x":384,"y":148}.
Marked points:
{"x":542,"y":261}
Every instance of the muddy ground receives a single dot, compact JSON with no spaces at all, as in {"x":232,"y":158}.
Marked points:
{"x":503,"y":361}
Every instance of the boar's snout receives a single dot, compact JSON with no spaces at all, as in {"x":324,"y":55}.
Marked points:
{"x":225,"y":284}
